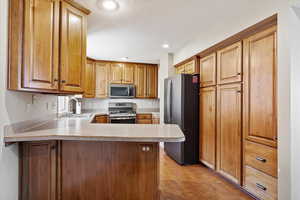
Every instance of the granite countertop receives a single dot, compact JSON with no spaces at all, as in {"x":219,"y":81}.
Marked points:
{"x":154,"y":112}
{"x":83,"y":129}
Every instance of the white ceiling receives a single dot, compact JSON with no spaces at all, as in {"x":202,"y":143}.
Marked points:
{"x":139,"y":27}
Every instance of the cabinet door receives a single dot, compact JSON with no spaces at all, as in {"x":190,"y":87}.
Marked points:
{"x":128,"y":73}
{"x":180,"y":69}
{"x":260,"y":98}
{"x":89,"y":85}
{"x":116,"y":73}
{"x":102,"y":76}
{"x":190,"y":67}
{"x":208,"y":70}
{"x":208,"y":126}
{"x":140,"y":81}
{"x":151,"y":81}
{"x":73,"y":48}
{"x":39,"y":169}
{"x":229,"y":132}
{"x":41,"y":44}
{"x":101,"y":119}
{"x":230,"y":64}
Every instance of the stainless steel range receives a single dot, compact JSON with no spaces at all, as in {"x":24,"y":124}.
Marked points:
{"x":122,"y":112}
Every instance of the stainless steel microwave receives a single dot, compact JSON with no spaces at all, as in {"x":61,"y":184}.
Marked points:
{"x":121,"y":91}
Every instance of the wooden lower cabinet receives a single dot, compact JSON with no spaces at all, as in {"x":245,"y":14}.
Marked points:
{"x":38,"y":170}
{"x":101,"y":119}
{"x":207,"y":112}
{"x":229,"y":134}
{"x":144,"y":118}
{"x":89,"y":170}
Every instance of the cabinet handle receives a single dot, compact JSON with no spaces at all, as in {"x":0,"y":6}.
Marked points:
{"x":53,"y":147}
{"x":239,"y":91}
{"x":55,"y":80}
{"x":145,"y":148}
{"x":239,"y":73}
{"x":63,"y":81}
{"x":261,"y":187}
{"x":261,"y":159}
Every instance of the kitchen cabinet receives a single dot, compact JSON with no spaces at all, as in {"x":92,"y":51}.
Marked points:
{"x":128,"y":73}
{"x":151,"y":78}
{"x":41,"y":44}
{"x":116,"y":73}
{"x":208,"y":70}
{"x":260,"y":91}
{"x":47,"y":46}
{"x":89,"y":81}
{"x":229,"y":134}
{"x":102,"y":79}
{"x":39,"y":170}
{"x":101,"y":119}
{"x":229,"y":64}
{"x":140,"y":81}
{"x":73,"y":48}
{"x":144,"y":118}
{"x":180,"y":69}
{"x":207,"y":112}
{"x":190,"y":67}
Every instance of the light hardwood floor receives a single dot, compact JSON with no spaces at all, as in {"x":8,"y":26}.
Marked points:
{"x":194,"y":182}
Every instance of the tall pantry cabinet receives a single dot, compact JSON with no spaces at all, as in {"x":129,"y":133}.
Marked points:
{"x":238,"y":112}
{"x":47,"y":46}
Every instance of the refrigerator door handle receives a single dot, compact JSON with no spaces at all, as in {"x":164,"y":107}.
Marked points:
{"x":170,"y":101}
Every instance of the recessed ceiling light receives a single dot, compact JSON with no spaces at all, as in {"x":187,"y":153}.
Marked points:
{"x":110,"y":4}
{"x":165,"y":46}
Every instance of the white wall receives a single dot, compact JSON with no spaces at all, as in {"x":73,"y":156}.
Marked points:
{"x":166,"y":70}
{"x":15,"y":107}
{"x":295,"y":100}
{"x":259,"y":11}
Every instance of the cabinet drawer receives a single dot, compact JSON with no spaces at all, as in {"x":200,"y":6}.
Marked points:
{"x":260,"y":184}
{"x":101,"y":119}
{"x":144,"y":121}
{"x":261,"y":157}
{"x":144,"y":116}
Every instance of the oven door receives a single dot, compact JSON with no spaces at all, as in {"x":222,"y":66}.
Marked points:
{"x":121,"y":91}
{"x":122,"y":120}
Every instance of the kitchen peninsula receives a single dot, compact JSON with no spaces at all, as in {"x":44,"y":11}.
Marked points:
{"x":72,"y":158}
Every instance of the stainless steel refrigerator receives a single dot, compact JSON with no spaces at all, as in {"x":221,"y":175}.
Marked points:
{"x":181,"y":106}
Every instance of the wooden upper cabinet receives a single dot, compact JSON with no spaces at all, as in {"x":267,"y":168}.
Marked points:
{"x":102,"y":79}
{"x":116,"y":73}
{"x":41,"y":44}
{"x":89,"y":81}
{"x":128,"y":73}
{"x":191,"y":67}
{"x":207,"y":111}
{"x":229,"y":64}
{"x":140,"y":81}
{"x":260,"y":97}
{"x":208,"y":70}
{"x":73,"y":48}
{"x":151,"y":91}
{"x":180,"y":69}
{"x":229,"y":137}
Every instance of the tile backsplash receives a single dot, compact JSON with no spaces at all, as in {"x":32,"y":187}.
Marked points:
{"x":96,"y":104}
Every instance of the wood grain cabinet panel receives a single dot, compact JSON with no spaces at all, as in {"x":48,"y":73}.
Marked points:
{"x":180,"y":69}
{"x":41,"y":44}
{"x":101,"y":119}
{"x":109,"y":170}
{"x":102,"y":79}
{"x":260,"y":97}
{"x":89,"y":80}
{"x":229,"y":64}
{"x":229,"y":137}
{"x":39,"y":169}
{"x":140,"y":81}
{"x":151,"y":89}
{"x":191,"y":68}
{"x":260,"y":184}
{"x":208,"y":126}
{"x":208,"y":70}
{"x":116,"y":73}
{"x":261,"y":157}
{"x":128,"y":73}
{"x":73,"y":48}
